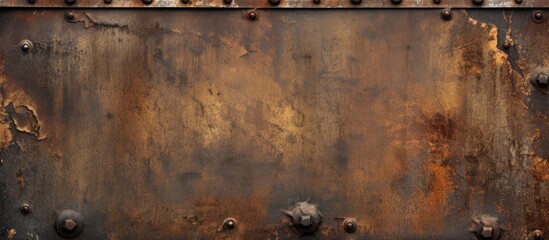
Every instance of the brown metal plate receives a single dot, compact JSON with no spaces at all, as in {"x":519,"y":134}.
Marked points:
{"x":160,"y":124}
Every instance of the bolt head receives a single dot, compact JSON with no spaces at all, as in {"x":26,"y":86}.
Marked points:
{"x":69,"y":225}
{"x":32,"y":1}
{"x":437,"y":1}
{"x":70,"y":15}
{"x":252,"y":16}
{"x":478,"y":2}
{"x":349,"y":226}
{"x":356,"y":2}
{"x":107,"y":1}
{"x":274,"y":2}
{"x":506,"y":45}
{"x":305,"y":220}
{"x":542,"y":80}
{"x":25,"y":47}
{"x":537,"y":234}
{"x":185,"y":1}
{"x":396,"y":2}
{"x":70,"y":2}
{"x":25,"y":209}
{"x":316,"y":1}
{"x":518,"y":1}
{"x":147,"y":1}
{"x":227,"y":1}
{"x":538,"y":15}
{"x":446,"y":14}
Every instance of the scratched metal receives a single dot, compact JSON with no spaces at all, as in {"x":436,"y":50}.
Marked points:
{"x":160,"y":124}
{"x":281,"y":4}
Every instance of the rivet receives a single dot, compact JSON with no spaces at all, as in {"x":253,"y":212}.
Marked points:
{"x":356,"y":2}
{"x":518,"y":1}
{"x":25,"y":45}
{"x":538,"y":15}
{"x":274,"y":2}
{"x":70,"y":15}
{"x":32,"y":1}
{"x":185,"y":1}
{"x":147,"y":1}
{"x":478,"y":2}
{"x":350,"y":225}
{"x":396,"y":2}
{"x":228,"y":1}
{"x":446,"y":14}
{"x":107,"y":1}
{"x":231,"y":224}
{"x":506,"y":45}
{"x":437,"y":1}
{"x":252,"y":16}
{"x":70,"y":2}
{"x":542,"y":80}
{"x":316,"y":1}
{"x":537,"y":234}
{"x":25,"y":209}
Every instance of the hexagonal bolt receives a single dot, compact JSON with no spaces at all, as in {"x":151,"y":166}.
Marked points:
{"x":487,"y":232}
{"x":542,"y":80}
{"x":305,"y":220}
{"x":69,"y":225}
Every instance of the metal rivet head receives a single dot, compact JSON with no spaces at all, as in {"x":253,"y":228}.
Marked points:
{"x":274,"y":2}
{"x":537,"y":234}
{"x":487,"y":232}
{"x":147,"y":1}
{"x":25,"y":209}
{"x":70,"y":15}
{"x":396,"y":2}
{"x":107,"y":1}
{"x":25,"y":45}
{"x":446,"y":14}
{"x":227,"y":1}
{"x":32,"y":1}
{"x":316,"y":1}
{"x":350,"y":225}
{"x":252,"y":16}
{"x":356,"y":2}
{"x":506,"y":45}
{"x":518,"y":1}
{"x":228,"y":224}
{"x":185,"y":1}
{"x":538,"y":15}
{"x":69,"y":225}
{"x":70,"y":2}
{"x":305,"y":220}
{"x":542,"y":80}
{"x":437,"y":1}
{"x":478,"y":2}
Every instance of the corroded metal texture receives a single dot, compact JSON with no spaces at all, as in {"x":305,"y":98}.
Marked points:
{"x":276,"y":3}
{"x":163,"y":124}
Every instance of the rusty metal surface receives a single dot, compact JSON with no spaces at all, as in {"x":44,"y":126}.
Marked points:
{"x":277,"y":4}
{"x":204,"y":124}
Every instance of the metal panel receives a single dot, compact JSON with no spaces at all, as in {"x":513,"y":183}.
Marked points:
{"x":207,"y":124}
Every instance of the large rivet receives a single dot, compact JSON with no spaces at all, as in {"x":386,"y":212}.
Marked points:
{"x":537,"y":234}
{"x":356,"y":2}
{"x":107,"y":1}
{"x":70,"y":15}
{"x":185,"y":1}
{"x":70,"y":2}
{"x":252,"y":16}
{"x":274,"y":2}
{"x":446,"y":14}
{"x":478,"y":2}
{"x":537,"y":16}
{"x":437,"y":1}
{"x":396,"y":2}
{"x":32,"y":1}
{"x":228,"y":1}
{"x":147,"y":1}
{"x":228,"y":224}
{"x":316,"y":1}
{"x":25,"y":45}
{"x":69,"y":223}
{"x":25,"y":209}
{"x":350,"y":225}
{"x":518,"y":1}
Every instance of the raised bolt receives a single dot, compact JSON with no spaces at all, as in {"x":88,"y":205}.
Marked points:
{"x":349,"y":225}
{"x":487,"y":232}
{"x":356,"y":2}
{"x":185,"y":1}
{"x":252,"y":16}
{"x":305,"y":220}
{"x":518,"y":1}
{"x":542,"y":80}
{"x":25,"y":209}
{"x":506,"y":45}
{"x":32,"y":1}
{"x":274,"y":2}
{"x":25,"y":46}
{"x":228,"y":1}
{"x":396,"y":2}
{"x":437,"y":1}
{"x":107,"y":1}
{"x":316,"y":1}
{"x":229,"y":223}
{"x":70,"y":2}
{"x":70,"y":15}
{"x":69,"y":225}
{"x":478,"y":2}
{"x":446,"y":14}
{"x":538,"y":15}
{"x":537,"y":234}
{"x":147,"y":1}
